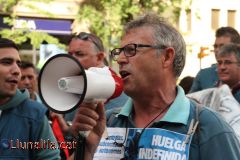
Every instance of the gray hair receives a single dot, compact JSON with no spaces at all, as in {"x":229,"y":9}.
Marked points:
{"x":164,"y":34}
{"x":228,"y":49}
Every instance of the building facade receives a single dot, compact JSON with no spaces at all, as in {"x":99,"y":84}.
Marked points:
{"x":198,"y":25}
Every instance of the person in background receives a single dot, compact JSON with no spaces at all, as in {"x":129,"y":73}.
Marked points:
{"x":186,"y":83}
{"x":88,"y":49}
{"x":225,"y":98}
{"x":29,"y":80}
{"x":208,"y":77}
{"x":151,"y":58}
{"x":21,"y":119}
{"x":228,"y":66}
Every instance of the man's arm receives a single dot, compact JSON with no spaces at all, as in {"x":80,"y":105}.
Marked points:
{"x":93,"y":119}
{"x":222,"y":146}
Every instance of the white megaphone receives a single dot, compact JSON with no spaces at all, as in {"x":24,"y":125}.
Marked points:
{"x":64,"y":84}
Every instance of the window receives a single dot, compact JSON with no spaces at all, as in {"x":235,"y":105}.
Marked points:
{"x":231,"y":17}
{"x":189,"y":19}
{"x":215,"y":19}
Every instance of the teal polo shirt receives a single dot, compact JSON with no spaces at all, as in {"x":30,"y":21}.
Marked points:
{"x":205,"y":78}
{"x":181,"y":103}
{"x":214,"y":139}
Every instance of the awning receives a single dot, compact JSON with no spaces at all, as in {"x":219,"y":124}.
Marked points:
{"x":51,"y":26}
{"x":45,"y":25}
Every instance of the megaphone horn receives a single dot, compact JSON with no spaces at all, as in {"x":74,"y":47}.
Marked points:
{"x":64,"y":84}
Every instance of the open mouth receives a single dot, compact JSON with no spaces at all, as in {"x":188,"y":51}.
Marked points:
{"x":12,"y":81}
{"x":124,"y":74}
{"x":223,"y":74}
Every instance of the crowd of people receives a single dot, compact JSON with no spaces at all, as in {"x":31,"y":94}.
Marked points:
{"x":208,"y":77}
{"x":153,"y":108}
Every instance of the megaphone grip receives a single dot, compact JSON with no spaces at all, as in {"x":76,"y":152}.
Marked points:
{"x":80,"y":149}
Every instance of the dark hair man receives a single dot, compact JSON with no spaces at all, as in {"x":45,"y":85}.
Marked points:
{"x":29,"y":79}
{"x":208,"y":77}
{"x":24,"y":128}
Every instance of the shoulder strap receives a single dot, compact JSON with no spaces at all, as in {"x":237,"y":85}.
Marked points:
{"x":198,"y":108}
{"x":194,"y":122}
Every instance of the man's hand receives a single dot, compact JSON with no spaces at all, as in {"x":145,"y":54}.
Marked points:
{"x":90,"y":118}
{"x":63,"y":124}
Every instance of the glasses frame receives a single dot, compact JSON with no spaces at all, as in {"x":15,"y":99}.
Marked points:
{"x":226,"y":63}
{"x":117,"y":51}
{"x":216,"y":46}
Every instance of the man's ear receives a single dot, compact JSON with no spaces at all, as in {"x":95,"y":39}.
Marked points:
{"x":100,"y":56}
{"x":168,"y":56}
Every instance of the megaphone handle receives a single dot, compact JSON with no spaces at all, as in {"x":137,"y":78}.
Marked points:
{"x":80,"y":148}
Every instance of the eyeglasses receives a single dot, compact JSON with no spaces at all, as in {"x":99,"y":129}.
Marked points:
{"x":215,"y":46}
{"x":90,"y":37}
{"x":226,"y":63}
{"x":130,"y":50}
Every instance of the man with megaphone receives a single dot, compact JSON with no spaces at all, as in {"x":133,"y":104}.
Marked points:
{"x":151,"y":58}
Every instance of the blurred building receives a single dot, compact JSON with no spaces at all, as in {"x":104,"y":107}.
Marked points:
{"x":55,"y":18}
{"x":198,"y":24}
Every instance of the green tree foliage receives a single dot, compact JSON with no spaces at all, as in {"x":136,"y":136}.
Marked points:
{"x":7,"y":5}
{"x":23,"y":34}
{"x":107,"y":17}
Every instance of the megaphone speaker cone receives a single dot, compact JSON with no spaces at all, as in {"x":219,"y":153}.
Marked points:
{"x":57,"y":67}
{"x":64,"y":84}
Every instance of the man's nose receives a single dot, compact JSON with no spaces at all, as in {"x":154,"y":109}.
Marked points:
{"x":222,"y":66}
{"x":16,"y":70}
{"x":26,"y":81}
{"x":122,"y":58}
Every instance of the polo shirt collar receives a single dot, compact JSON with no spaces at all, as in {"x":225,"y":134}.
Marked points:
{"x":177,"y":113}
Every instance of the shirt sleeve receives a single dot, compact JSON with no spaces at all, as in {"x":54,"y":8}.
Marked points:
{"x":221,"y":147}
{"x":217,"y":140}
